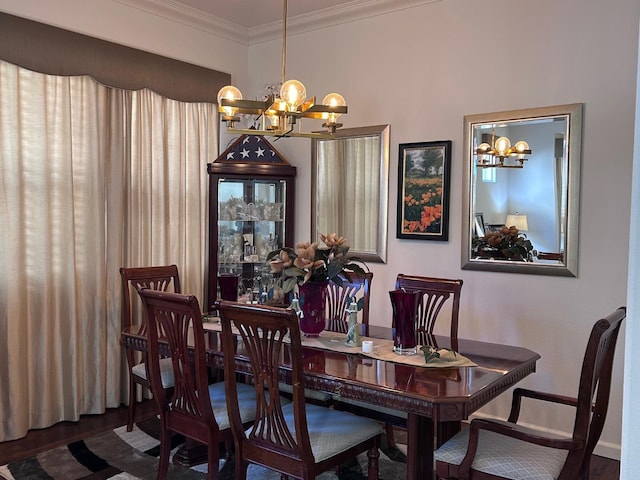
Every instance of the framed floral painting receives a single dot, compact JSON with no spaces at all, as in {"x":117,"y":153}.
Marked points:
{"x":424,"y":173}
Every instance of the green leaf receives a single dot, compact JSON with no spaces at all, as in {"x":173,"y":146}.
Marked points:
{"x":289,"y":284}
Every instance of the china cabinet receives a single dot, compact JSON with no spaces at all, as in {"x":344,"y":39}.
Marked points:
{"x":251,"y":203}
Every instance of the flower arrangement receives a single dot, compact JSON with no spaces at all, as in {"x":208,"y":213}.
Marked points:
{"x":313,"y":262}
{"x":507,"y":243}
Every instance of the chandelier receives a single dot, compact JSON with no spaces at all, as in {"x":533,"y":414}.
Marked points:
{"x":279,"y":116}
{"x":500,"y":153}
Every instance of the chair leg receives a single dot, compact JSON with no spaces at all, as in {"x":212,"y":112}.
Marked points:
{"x":165,"y":450}
{"x":213,"y":458}
{"x":373,"y":464}
{"x":131,"y":409}
{"x":241,"y":468}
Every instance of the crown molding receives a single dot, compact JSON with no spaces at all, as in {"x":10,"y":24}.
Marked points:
{"x":191,"y":17}
{"x":348,"y":12}
{"x":328,"y":17}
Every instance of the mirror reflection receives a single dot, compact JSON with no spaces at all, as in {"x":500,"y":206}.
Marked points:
{"x":522,"y":181}
{"x":350,"y":179}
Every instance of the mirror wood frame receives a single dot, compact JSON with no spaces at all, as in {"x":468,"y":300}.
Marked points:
{"x":379,"y":254}
{"x":569,"y":266}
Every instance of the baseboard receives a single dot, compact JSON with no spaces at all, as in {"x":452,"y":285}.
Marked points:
{"x":603,"y":449}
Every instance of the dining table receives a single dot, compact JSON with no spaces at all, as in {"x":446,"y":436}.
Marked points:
{"x":436,"y":398}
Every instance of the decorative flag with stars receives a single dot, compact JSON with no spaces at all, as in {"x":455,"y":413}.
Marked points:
{"x":251,"y":148}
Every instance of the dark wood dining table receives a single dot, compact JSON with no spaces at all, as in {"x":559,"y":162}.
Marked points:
{"x":435,"y":399}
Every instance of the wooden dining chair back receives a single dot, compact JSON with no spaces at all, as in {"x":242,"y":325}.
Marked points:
{"x":298,"y":439}
{"x":339,"y":294}
{"x":436,"y":293}
{"x":164,"y":278}
{"x":489,"y":448}
{"x":194,"y":408}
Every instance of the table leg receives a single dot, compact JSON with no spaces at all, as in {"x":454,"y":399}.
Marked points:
{"x":420,"y":438}
{"x":446,"y":430}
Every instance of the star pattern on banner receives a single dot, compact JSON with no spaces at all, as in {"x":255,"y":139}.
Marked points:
{"x":253,"y":148}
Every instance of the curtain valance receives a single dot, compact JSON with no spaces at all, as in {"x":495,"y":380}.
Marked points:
{"x":55,"y":51}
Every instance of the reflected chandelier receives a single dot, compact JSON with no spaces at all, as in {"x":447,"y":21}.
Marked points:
{"x":279,"y":116}
{"x":500,"y":154}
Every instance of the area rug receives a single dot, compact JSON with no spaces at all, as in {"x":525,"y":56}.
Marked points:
{"x":122,"y":455}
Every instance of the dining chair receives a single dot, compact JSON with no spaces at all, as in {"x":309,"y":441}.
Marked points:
{"x":165,"y":278}
{"x":491,"y":449}
{"x":194,"y":408}
{"x":436,"y":293}
{"x":351,"y":285}
{"x":339,"y":294}
{"x":298,"y":440}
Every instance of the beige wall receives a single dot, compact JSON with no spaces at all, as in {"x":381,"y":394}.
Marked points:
{"x":421,"y":70}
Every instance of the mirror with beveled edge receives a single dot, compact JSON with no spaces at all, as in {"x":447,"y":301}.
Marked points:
{"x":349,"y":189}
{"x":521,"y":195}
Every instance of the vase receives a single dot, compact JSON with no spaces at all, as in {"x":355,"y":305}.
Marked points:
{"x":405,"y":309}
{"x":313,"y":298}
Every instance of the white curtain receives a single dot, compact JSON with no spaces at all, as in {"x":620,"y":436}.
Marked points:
{"x":91,"y":178}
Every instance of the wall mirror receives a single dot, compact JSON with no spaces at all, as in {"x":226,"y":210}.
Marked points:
{"x":349,"y":189}
{"x":533,"y":186}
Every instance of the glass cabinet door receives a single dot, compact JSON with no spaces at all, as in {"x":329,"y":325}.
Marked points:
{"x":251,"y":224}
{"x":251,"y":202}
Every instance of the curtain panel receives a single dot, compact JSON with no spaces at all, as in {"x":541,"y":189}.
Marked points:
{"x":92,"y":178}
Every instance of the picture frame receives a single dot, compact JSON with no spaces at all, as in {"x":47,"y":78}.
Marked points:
{"x":424,"y":176}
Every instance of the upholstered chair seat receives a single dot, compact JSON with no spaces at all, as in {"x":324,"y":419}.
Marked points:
{"x":505,"y":457}
{"x":166,"y":372}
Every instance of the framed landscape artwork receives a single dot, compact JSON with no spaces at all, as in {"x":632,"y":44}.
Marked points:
{"x":424,"y":172}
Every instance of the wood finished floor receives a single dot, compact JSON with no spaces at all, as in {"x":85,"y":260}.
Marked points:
{"x":62,"y":433}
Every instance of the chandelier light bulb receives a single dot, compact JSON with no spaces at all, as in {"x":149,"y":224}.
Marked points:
{"x":521,"y":147}
{"x":274,"y":118}
{"x":483,"y":148}
{"x":333,"y":100}
{"x":228,"y":92}
{"x":502,"y":145}
{"x":293,"y":93}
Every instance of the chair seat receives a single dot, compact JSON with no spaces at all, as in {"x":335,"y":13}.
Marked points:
{"x":505,"y":456}
{"x":246,"y":402}
{"x":332,"y":431}
{"x":166,"y":372}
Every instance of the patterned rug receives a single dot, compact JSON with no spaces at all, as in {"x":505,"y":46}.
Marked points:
{"x":123,"y":455}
